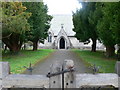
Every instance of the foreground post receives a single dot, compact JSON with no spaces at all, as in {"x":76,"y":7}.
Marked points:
{"x":118,"y":72}
{"x":4,"y":72}
{"x":55,"y":80}
{"x":4,"y":69}
{"x":117,"y":67}
{"x":69,"y":77}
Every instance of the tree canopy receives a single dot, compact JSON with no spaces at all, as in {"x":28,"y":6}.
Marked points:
{"x":108,"y":26}
{"x":23,"y":21}
{"x":14,"y":24}
{"x":99,"y":21}
{"x":85,"y":24}
{"x":39,"y":21}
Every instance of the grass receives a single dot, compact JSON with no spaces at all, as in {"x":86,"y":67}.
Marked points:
{"x":24,"y":58}
{"x":107,"y":65}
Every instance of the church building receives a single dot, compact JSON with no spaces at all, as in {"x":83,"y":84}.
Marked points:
{"x":61,"y":34}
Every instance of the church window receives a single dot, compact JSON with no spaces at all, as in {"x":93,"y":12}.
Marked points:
{"x":49,"y":37}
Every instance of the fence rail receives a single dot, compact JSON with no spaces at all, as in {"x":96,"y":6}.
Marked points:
{"x":64,"y":80}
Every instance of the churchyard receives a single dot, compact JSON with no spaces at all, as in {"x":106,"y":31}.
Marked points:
{"x":80,"y":50}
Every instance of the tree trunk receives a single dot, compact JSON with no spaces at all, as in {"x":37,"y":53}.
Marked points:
{"x":110,"y":51}
{"x":35,"y":45}
{"x":13,"y":43}
{"x":93,"y":45}
{"x":14,"y":48}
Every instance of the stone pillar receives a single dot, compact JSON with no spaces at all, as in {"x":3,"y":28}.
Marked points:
{"x":117,"y":68}
{"x":4,"y":71}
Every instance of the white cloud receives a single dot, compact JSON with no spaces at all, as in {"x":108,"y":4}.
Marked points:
{"x":62,"y":6}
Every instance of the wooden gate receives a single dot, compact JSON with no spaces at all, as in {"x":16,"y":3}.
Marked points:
{"x":61,"y":75}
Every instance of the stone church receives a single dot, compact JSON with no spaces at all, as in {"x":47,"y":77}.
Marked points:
{"x":61,"y":34}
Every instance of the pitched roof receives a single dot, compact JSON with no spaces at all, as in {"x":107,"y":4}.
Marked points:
{"x":67,"y":22}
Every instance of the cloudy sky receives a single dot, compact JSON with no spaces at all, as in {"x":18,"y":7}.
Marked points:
{"x":62,"y":6}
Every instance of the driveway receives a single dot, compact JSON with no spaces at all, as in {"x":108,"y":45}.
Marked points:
{"x":60,"y":55}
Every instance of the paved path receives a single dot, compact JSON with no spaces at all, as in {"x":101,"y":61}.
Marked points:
{"x":60,"y":55}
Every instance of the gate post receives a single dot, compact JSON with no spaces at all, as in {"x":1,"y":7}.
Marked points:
{"x":55,"y":81}
{"x":69,"y":77}
{"x":4,"y":71}
{"x":117,"y":67}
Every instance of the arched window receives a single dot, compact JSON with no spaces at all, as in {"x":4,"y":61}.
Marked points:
{"x":49,"y":37}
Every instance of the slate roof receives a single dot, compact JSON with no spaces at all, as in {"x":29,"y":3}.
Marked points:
{"x":67,"y":22}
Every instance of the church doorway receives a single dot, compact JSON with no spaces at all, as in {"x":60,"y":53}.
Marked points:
{"x":62,"y":43}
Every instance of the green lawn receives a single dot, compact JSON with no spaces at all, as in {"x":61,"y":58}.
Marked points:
{"x":24,"y":58}
{"x":107,"y":65}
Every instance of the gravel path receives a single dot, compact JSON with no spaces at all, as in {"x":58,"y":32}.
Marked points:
{"x":60,"y":55}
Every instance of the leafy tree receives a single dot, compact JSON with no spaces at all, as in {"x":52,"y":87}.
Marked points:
{"x":85,"y":24}
{"x":108,"y":27}
{"x":105,"y":35}
{"x":99,"y":20}
{"x":115,"y":24}
{"x":39,"y":21}
{"x":14,"y":24}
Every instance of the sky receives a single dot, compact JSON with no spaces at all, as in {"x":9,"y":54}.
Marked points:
{"x":62,"y":6}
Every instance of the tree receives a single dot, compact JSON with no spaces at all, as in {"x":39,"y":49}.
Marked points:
{"x":115,"y":25}
{"x":108,"y":27}
{"x":85,"y":24}
{"x":39,"y":21}
{"x":106,"y":36}
{"x":14,"y":24}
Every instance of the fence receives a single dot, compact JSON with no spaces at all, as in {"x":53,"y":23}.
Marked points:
{"x":61,"y":75}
